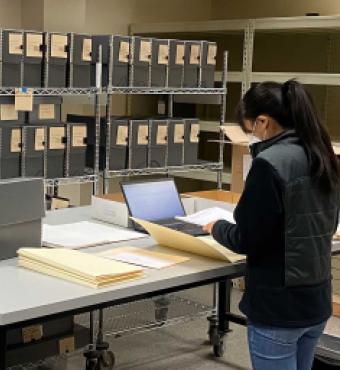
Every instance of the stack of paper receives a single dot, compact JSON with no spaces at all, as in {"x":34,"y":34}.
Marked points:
{"x":85,"y":234}
{"x":208,"y":215}
{"x":203,"y":246}
{"x":143,"y":257}
{"x":76,"y":266}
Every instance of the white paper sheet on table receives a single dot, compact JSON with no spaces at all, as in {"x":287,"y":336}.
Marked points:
{"x":208,"y":215}
{"x":85,"y":234}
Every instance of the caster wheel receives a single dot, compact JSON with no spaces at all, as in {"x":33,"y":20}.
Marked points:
{"x":219,"y":348}
{"x":107,"y":361}
{"x":213,"y":334}
{"x":91,"y":365}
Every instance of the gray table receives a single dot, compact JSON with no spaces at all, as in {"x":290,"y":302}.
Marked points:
{"x":28,"y":297}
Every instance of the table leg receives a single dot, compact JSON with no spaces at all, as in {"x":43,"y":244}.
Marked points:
{"x":3,"y":347}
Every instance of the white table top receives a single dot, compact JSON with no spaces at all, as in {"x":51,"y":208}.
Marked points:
{"x":29,"y":295}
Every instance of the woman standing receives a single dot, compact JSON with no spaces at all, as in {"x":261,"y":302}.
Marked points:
{"x":285,"y":221}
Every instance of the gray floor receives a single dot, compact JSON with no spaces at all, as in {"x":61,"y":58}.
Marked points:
{"x":178,"y":347}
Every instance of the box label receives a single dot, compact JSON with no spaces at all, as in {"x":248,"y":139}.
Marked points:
{"x":56,"y":138}
{"x":179,"y":133}
{"x":124,"y":52}
{"x":212,"y":53}
{"x":195,"y":54}
{"x":162,"y":135}
{"x":39,"y":139}
{"x":143,"y":132}
{"x":46,"y":111}
{"x":23,"y":99}
{"x":87,"y":48}
{"x":8,"y":112}
{"x":58,"y":46}
{"x":33,"y":45}
{"x":66,"y":345}
{"x":16,"y":140}
{"x":79,"y":134}
{"x":194,"y":133}
{"x":163,"y":54}
{"x":122,"y":135}
{"x":180,"y":54}
{"x":15,"y":43}
{"x":145,"y":51}
{"x":30,"y":333}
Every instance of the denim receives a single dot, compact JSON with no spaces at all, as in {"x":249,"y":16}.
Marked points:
{"x":283,"y":348}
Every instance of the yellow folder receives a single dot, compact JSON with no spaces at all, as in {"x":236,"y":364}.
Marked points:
{"x":202,"y":246}
{"x":77,"y":266}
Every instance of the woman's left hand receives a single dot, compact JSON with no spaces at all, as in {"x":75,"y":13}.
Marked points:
{"x":209,"y":227}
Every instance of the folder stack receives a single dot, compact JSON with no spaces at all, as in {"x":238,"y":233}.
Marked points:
{"x":78,"y":267}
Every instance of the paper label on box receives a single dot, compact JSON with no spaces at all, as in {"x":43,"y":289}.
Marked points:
{"x":180,"y":49}
{"x":179,"y":133}
{"x":66,"y":345}
{"x":143,"y":132}
{"x":8,"y":112}
{"x":33,"y":45}
{"x":79,"y":134}
{"x":30,"y":333}
{"x":247,"y":161}
{"x":212,"y":53}
{"x":162,"y":135}
{"x":58,"y":46}
{"x":194,"y":133}
{"x":163,"y":54}
{"x":122,"y":135}
{"x":23,"y":99}
{"x":87,"y":48}
{"x":46,"y":111}
{"x":16,"y":140}
{"x":39,"y":140}
{"x":124,"y":52}
{"x":15,"y":43}
{"x":195,"y":54}
{"x":56,"y":138}
{"x":145,"y":51}
{"x":59,"y":203}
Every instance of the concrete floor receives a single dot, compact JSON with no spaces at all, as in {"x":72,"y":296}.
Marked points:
{"x":177,"y":347}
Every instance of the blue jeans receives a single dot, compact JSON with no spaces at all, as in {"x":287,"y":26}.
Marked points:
{"x":283,"y":349}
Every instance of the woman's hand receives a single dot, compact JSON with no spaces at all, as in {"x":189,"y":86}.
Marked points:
{"x":209,"y":227}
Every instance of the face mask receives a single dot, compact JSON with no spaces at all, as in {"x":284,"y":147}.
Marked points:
{"x":254,"y":139}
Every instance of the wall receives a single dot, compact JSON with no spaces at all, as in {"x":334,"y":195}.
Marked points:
{"x":233,"y":9}
{"x":10,"y":14}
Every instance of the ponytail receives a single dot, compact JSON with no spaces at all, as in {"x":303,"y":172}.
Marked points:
{"x":293,"y":108}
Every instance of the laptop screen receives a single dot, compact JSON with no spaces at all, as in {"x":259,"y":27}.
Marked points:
{"x":153,"y":200}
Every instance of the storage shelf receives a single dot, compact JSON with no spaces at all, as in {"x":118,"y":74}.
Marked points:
{"x":328,"y":79}
{"x":231,"y":76}
{"x":71,"y":180}
{"x":204,"y":176}
{"x":159,"y":91}
{"x":212,"y":166}
{"x":52,"y":91}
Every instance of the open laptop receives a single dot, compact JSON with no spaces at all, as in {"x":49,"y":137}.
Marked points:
{"x":157,"y":201}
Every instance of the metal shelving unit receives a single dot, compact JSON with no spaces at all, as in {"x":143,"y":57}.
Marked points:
{"x":170,"y":93}
{"x":52,"y":91}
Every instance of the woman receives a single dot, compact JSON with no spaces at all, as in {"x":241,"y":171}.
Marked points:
{"x":285,"y":221}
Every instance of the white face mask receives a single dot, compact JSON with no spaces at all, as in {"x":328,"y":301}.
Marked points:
{"x":254,"y":139}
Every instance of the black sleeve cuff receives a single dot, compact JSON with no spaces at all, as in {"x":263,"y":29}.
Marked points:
{"x":219,"y":229}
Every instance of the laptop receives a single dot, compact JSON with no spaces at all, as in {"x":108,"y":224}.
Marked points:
{"x":157,"y":201}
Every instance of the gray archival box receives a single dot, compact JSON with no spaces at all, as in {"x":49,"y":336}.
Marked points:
{"x":22,"y":204}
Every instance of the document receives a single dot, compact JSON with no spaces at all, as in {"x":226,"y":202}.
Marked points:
{"x":75,"y":266}
{"x":143,"y":257}
{"x":202,"y":246}
{"x":85,"y":234}
{"x":207,"y":216}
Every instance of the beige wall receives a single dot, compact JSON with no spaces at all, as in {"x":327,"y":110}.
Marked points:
{"x":10,"y":14}
{"x":223,"y":9}
{"x":32,"y":14}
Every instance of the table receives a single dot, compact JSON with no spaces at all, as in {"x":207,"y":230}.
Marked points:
{"x":28,"y":297}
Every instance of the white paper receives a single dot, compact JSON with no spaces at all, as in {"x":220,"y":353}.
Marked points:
{"x":85,"y":234}
{"x":208,"y":215}
{"x":139,"y":260}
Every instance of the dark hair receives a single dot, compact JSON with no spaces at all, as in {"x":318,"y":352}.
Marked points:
{"x":293,"y":108}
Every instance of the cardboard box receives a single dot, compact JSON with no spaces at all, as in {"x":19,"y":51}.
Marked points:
{"x":105,"y":42}
{"x":241,"y":159}
{"x":158,"y":143}
{"x":176,"y":63}
{"x":138,"y":143}
{"x":159,"y":62}
{"x":111,"y":208}
{"x":10,"y":151}
{"x":76,"y":149}
{"x":119,"y":139}
{"x":140,"y":75}
{"x":33,"y":157}
{"x":192,"y":64}
{"x":121,"y":60}
{"x":8,"y":115}
{"x":336,"y":305}
{"x":191,"y":140}
{"x":33,"y":59}
{"x":46,"y":110}
{"x":176,"y":131}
